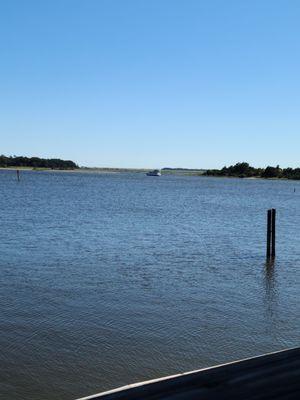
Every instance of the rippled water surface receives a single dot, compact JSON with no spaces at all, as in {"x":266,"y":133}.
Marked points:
{"x":108,"y":279}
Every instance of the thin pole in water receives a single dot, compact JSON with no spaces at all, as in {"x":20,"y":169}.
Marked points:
{"x":269,"y":229}
{"x":271,"y":233}
{"x":18,"y":175}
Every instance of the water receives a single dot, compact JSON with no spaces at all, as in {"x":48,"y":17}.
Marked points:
{"x":108,"y":279}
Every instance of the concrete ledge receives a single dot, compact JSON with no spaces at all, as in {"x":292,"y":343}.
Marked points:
{"x":271,"y":376}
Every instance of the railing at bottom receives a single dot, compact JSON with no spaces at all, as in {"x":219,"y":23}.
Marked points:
{"x":271,"y":376}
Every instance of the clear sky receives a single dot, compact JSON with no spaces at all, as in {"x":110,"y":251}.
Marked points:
{"x":151,"y":83}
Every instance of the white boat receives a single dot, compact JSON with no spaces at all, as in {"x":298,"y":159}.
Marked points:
{"x":155,"y":172}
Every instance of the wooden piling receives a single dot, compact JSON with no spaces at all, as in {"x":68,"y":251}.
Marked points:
{"x":273,"y":238}
{"x":269,"y":229}
{"x":18,"y":175}
{"x":271,"y":233}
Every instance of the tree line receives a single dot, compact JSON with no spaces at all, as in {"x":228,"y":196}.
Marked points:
{"x":36,"y":162}
{"x":244,"y":170}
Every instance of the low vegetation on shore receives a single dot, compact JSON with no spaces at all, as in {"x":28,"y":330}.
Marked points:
{"x":36,"y":162}
{"x":239,"y":170}
{"x":244,"y":170}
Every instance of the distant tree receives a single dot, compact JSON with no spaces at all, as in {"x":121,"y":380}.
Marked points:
{"x":271,"y":172}
{"x":244,"y":170}
{"x":36,"y":162}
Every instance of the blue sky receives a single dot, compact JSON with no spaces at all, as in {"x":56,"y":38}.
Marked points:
{"x":135,"y":83}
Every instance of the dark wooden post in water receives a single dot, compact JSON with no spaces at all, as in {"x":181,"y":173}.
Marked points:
{"x":271,"y":233}
{"x":18,"y":175}
{"x":273,"y":239}
{"x":269,"y":229}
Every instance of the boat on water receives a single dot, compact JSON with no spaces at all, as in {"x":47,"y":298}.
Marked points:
{"x":155,"y":172}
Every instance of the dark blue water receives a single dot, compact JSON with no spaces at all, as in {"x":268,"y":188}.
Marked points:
{"x":108,"y":279}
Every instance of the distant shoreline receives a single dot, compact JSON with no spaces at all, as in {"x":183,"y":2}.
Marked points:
{"x":177,"y":172}
{"x":245,"y":170}
{"x":103,"y":170}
